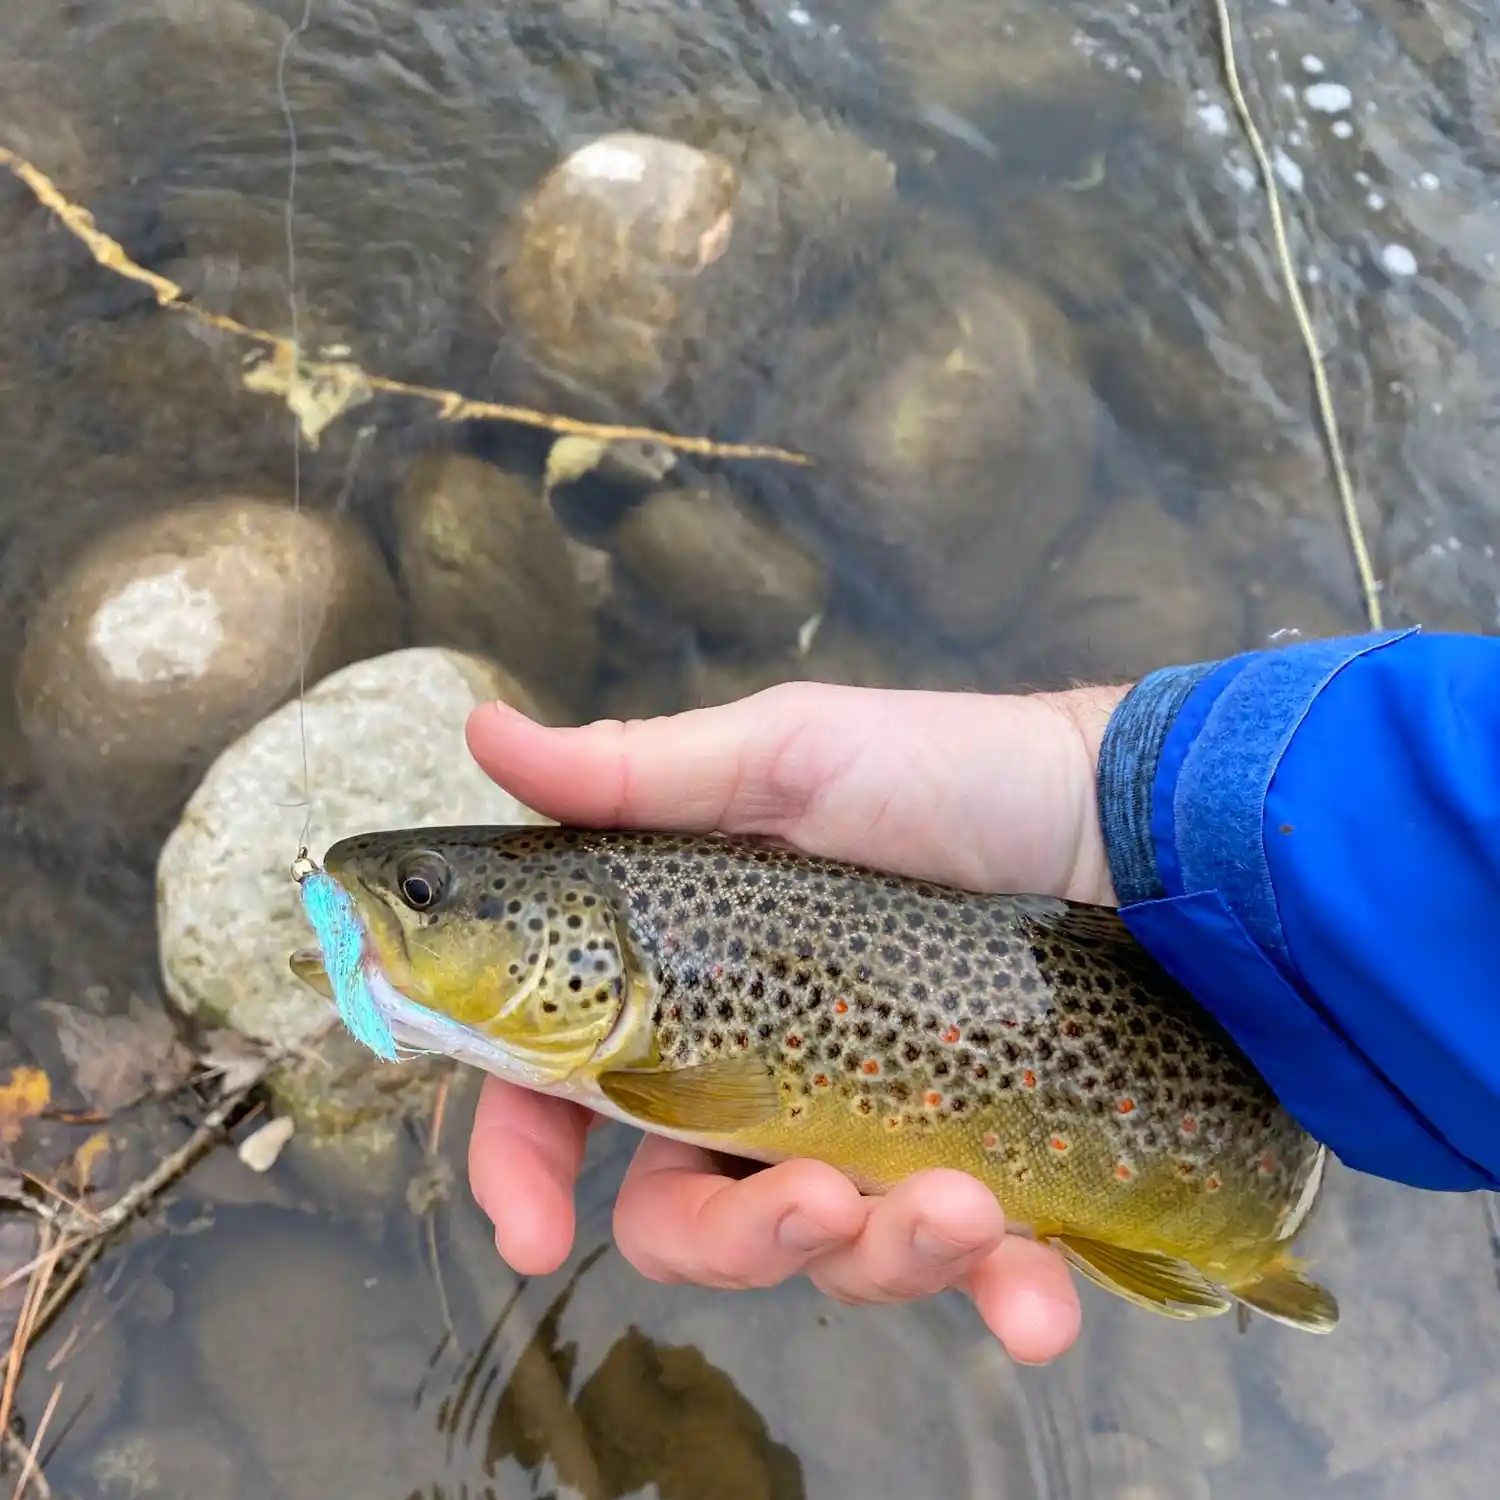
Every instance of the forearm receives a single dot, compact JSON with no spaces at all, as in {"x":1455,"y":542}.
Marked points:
{"x":1309,"y":840}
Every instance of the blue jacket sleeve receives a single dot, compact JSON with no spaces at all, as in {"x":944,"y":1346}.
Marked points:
{"x":1308,"y":839}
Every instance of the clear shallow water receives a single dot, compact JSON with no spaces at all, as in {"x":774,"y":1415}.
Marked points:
{"x":1088,"y":156}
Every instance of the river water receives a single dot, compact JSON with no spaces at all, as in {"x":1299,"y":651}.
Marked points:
{"x":987,"y":238}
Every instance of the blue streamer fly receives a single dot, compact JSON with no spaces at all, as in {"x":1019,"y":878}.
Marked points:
{"x":341,"y":935}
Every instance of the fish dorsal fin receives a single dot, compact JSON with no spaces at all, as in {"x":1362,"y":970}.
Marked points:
{"x":1156,"y":1282}
{"x":1284,"y":1293}
{"x":713,"y":1098}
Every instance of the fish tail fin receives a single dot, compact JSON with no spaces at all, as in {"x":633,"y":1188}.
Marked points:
{"x":1283,"y":1292}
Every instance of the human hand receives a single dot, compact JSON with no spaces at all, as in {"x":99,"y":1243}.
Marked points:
{"x":988,"y":793}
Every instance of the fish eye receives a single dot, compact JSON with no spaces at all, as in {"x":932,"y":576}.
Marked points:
{"x":423,"y":880}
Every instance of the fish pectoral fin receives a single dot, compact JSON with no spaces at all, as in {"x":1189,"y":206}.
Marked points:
{"x":1284,"y":1293}
{"x":712,"y":1098}
{"x":1157,"y":1282}
{"x":307,"y":965}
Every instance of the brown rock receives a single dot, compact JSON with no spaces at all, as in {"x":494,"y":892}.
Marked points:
{"x":601,"y":271}
{"x":488,"y":569}
{"x":1139,"y":594}
{"x":964,"y":430}
{"x":171,"y":636}
{"x":720,"y":566}
{"x":964,"y":53}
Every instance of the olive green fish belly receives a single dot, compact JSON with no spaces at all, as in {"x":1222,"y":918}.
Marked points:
{"x":1057,"y":1179}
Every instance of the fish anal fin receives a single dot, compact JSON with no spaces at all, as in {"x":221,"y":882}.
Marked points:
{"x":722,"y":1097}
{"x":1159,"y":1283}
{"x":1284,"y":1293}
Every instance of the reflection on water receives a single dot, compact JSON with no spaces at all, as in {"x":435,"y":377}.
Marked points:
{"x":1004,"y":270}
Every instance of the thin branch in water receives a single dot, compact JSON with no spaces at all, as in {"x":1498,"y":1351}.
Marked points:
{"x":18,"y":1453}
{"x":31,"y":1472}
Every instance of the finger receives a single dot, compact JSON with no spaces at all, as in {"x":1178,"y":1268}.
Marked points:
{"x":678,"y":1219}
{"x":688,"y":771}
{"x":885,"y":778}
{"x":1027,"y":1298}
{"x":926,"y":1234}
{"x":525,"y":1152}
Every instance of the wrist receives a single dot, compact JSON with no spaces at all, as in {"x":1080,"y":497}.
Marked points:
{"x":1088,"y":712}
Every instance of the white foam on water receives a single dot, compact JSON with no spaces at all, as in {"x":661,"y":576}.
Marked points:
{"x":1398,"y":260}
{"x":1327,"y":98}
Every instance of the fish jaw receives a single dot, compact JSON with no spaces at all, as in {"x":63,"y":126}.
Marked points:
{"x":346,"y":969}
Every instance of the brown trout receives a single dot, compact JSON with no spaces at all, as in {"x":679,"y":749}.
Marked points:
{"x":771,"y":1006}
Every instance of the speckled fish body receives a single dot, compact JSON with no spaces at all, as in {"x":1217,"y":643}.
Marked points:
{"x":770,"y":1005}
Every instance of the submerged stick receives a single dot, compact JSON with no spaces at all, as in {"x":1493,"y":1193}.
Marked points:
{"x":319,"y":390}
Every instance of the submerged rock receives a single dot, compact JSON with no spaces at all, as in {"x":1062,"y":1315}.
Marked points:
{"x":658,"y":271}
{"x":720,"y":566}
{"x":601,"y":270}
{"x":1137,"y":595}
{"x":955,"y":427}
{"x":385,"y":743}
{"x":487,"y":568}
{"x":172,"y":635}
{"x":966,"y":53}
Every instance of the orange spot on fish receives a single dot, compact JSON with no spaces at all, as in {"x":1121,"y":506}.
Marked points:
{"x":951,"y":1035}
{"x":1267,"y":1163}
{"x":1124,"y":1171}
{"x":793,"y":1040}
{"x":1189,"y":1124}
{"x":1009,"y":1025}
{"x":991,"y":1141}
{"x":1125,"y":1106}
{"x":1213,"y":1184}
{"x":933,"y":1100}
{"x":820,"y":1080}
{"x":840,"y":1007}
{"x":1060,"y":1143}
{"x":1185,"y":1169}
{"x":717,"y":971}
{"x":1029,"y":1079}
{"x":870,"y":1065}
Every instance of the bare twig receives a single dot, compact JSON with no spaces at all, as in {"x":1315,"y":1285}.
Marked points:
{"x":289,"y":371}
{"x":31,"y":1472}
{"x":36,"y":1289}
{"x":139,"y":1194}
{"x":18,"y":1453}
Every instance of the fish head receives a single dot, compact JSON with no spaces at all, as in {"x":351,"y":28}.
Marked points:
{"x":503,"y":933}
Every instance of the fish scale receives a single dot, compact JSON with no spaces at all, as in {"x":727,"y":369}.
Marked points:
{"x":774,"y":1005}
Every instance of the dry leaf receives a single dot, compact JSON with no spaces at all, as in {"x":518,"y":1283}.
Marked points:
{"x":259,"y":1150}
{"x":317,"y":392}
{"x":119,"y":1060}
{"x":238,"y":1061}
{"x":86,"y":1157}
{"x":27,"y":1092}
{"x":807,"y":633}
{"x":570,"y":458}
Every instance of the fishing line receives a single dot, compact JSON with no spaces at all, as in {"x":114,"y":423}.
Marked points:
{"x":1328,"y":418}
{"x":299,"y":583}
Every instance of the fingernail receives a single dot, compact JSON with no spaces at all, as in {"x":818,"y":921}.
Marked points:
{"x":931,"y":1245}
{"x":798,"y":1232}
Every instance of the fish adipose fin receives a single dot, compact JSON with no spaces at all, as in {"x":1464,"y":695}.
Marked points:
{"x":1156,"y":1282}
{"x":713,"y":1098}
